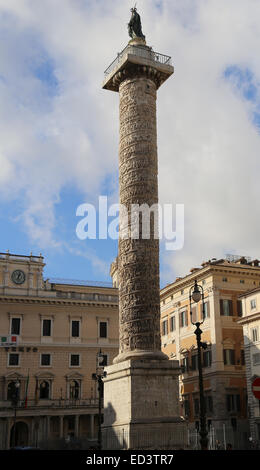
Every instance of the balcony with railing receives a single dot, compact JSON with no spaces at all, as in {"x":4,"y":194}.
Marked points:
{"x":138,"y":51}
{"x":50,"y":404}
{"x":14,"y":257}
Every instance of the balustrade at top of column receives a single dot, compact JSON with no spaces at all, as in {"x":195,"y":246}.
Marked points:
{"x":136,"y":56}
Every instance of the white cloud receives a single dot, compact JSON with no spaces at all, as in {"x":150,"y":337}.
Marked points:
{"x":208,"y":146}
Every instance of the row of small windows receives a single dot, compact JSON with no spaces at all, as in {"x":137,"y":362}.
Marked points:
{"x":191,"y":363}
{"x":183,"y":318}
{"x":224,"y":279}
{"x":47,"y":328}
{"x":229,"y":358}
{"x":89,"y":296}
{"x":43,"y":390}
{"x":208,"y":404}
{"x":46,"y":360}
{"x":233,"y":404}
{"x":242,"y":281}
{"x":226,"y":309}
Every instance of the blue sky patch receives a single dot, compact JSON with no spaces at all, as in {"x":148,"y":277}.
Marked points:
{"x":44,"y":70}
{"x":243,"y":80}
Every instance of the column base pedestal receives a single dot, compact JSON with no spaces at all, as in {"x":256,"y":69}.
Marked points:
{"x":141,"y":406}
{"x":140,"y":354}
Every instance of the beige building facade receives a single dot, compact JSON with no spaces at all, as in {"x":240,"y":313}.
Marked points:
{"x":50,"y":335}
{"x":250,"y":322}
{"x":224,"y":372}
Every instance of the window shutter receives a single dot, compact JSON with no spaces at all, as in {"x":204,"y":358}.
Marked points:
{"x":201,"y":311}
{"x":186,"y":317}
{"x":221,"y":307}
{"x":180,"y":319}
{"x":230,"y":307}
{"x":225,"y":356}
{"x":239,"y":308}
{"x":210,"y":402}
{"x":208,"y":310}
{"x":228,"y":403}
{"x":232,"y":356}
{"x":194,"y":314}
{"x":238,"y":402}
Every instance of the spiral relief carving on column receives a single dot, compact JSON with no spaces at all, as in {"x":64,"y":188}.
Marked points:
{"x":138,"y":259}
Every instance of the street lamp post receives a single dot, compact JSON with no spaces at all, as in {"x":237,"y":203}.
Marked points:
{"x":98,"y":376}
{"x":197,"y":294}
{"x":15,"y":400}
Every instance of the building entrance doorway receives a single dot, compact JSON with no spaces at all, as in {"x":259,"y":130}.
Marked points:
{"x":19,"y":435}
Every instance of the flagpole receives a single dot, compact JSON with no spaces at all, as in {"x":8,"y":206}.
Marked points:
{"x":26,"y":390}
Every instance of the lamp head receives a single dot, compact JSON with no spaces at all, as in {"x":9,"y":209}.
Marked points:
{"x":196,"y":295}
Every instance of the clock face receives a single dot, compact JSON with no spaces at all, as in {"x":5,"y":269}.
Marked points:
{"x":18,"y":277}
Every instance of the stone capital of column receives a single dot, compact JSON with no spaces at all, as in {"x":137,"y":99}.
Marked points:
{"x":138,"y":60}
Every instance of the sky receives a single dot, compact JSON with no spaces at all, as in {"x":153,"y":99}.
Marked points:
{"x":59,"y":129}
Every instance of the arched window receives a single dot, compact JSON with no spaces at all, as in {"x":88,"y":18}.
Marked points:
{"x":74,"y":390}
{"x":45,"y":389}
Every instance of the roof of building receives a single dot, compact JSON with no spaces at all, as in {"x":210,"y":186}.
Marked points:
{"x":231,"y":261}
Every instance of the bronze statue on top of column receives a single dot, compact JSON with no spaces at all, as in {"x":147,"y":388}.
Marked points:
{"x":135,"y":26}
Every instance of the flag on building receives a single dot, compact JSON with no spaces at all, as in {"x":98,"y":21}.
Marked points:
{"x":36,"y":392}
{"x":26,"y":391}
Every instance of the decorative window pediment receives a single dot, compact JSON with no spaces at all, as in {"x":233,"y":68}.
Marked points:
{"x":14,"y":376}
{"x":45,"y":375}
{"x":74,"y":376}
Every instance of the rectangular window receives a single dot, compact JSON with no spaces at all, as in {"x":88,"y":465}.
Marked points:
{"x":185,"y":364}
{"x":196,"y":406}
{"x":183,"y":319}
{"x":254,"y":334}
{"x":13,"y":359}
{"x":46,"y":328}
{"x":229,"y":357}
{"x":164,"y":327}
{"x":194,"y":362}
{"x":186,"y":404}
{"x":206,"y":310}
{"x":103,"y":329}
{"x":233,"y":402}
{"x":226,"y":307}
{"x":242,"y":355}
{"x":208,"y":404}
{"x":239,"y":308}
{"x":256,"y":360}
{"x":74,"y":360}
{"x":206,"y":358}
{"x":224,"y":279}
{"x":45,"y":359}
{"x":172,"y":323}
{"x":253,"y":304}
{"x":15,"y":326}
{"x":75,"y":328}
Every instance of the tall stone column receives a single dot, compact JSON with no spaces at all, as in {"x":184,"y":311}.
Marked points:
{"x":138,"y":257}
{"x":141,"y":388}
